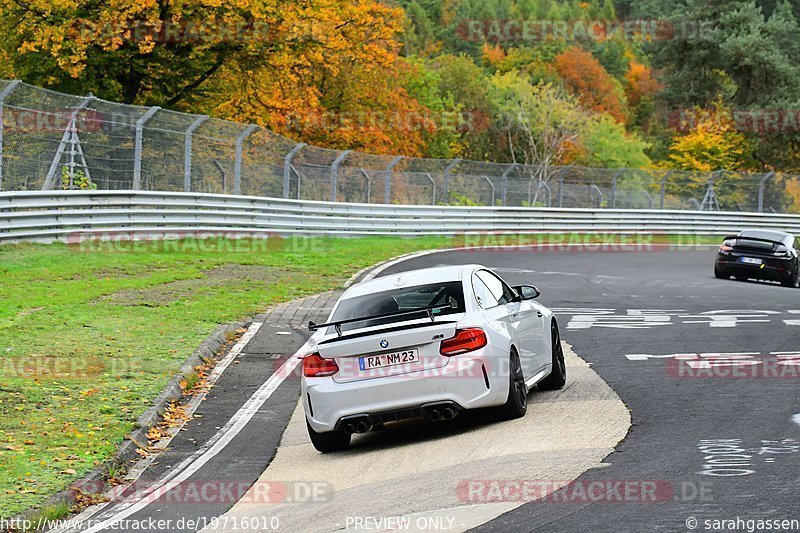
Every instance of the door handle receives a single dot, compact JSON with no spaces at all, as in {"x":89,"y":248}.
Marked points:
{"x":539,"y":314}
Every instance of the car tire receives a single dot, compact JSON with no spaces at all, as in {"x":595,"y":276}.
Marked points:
{"x":790,"y":280}
{"x":517,"y":403}
{"x":330,"y":441}
{"x":558,"y":376}
{"x":719,"y":274}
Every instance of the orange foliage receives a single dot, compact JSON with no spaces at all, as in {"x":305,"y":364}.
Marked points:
{"x":590,"y":82}
{"x":640,"y":83}
{"x":493,"y":54}
{"x":342,"y":90}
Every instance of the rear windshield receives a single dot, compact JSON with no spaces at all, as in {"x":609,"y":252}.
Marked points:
{"x":399,"y":300}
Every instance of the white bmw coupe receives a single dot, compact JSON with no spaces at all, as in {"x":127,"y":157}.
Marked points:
{"x":429,"y":344}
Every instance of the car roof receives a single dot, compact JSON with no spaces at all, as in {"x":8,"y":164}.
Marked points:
{"x":775,"y":236}
{"x":412,"y":278}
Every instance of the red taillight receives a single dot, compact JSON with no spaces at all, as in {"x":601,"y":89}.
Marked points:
{"x":725,"y":248}
{"x":466,"y":340}
{"x":315,"y":366}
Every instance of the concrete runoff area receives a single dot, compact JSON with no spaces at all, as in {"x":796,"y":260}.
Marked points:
{"x":423,"y":472}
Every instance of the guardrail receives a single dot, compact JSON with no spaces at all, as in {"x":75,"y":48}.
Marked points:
{"x":47,"y":216}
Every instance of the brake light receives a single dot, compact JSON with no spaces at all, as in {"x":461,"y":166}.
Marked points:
{"x":465,"y":340}
{"x":727,"y":246}
{"x":315,"y":366}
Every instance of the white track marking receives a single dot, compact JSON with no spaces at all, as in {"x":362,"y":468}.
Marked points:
{"x":139,"y":468}
{"x":796,"y":419}
{"x":214,"y":446}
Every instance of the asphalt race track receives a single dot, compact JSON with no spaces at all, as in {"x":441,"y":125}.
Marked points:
{"x":707,"y":368}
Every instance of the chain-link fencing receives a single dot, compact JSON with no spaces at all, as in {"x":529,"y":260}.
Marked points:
{"x":50,"y":140}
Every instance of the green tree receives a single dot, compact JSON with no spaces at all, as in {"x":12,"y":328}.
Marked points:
{"x":608,"y":145}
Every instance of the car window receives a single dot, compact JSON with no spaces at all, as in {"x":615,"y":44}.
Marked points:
{"x":485,"y":298}
{"x":399,"y":300}
{"x":502,"y":292}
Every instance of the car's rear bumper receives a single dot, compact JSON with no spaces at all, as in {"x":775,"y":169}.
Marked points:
{"x":771,"y":268}
{"x":461,"y":381}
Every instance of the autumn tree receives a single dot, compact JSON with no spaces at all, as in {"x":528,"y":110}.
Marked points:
{"x":540,"y":122}
{"x":158,"y":52}
{"x":585,"y":77}
{"x":710,"y":142}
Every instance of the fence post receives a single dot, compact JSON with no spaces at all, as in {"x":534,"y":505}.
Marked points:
{"x":664,"y":186}
{"x":761,"y":185}
{"x":504,"y":186}
{"x":137,"y":147}
{"x":433,"y":188}
{"x":237,"y":165}
{"x":489,"y":181}
{"x":49,"y":181}
{"x":10,"y":88}
{"x":287,"y":170}
{"x":447,"y":171}
{"x":600,"y":197}
{"x":187,"y":152}
{"x":387,"y":173}
{"x":614,"y":187}
{"x":335,"y":172}
{"x":561,"y":174}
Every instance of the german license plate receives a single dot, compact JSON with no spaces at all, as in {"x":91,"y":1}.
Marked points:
{"x":751,"y":260}
{"x":368,"y":362}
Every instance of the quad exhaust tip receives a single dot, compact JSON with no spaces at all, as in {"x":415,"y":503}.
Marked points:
{"x":442,"y":415}
{"x":361,"y":426}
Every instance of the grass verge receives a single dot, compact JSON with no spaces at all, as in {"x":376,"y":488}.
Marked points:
{"x":91,"y":333}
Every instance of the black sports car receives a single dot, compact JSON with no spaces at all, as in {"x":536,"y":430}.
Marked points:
{"x":759,"y":254}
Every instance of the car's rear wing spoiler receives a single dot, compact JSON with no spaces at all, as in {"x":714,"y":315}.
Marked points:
{"x":740,"y":238}
{"x":430,"y":311}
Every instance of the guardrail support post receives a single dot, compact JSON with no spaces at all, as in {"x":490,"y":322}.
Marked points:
{"x":335,"y":173}
{"x":387,"y":188}
{"x":187,"y":152}
{"x":504,"y":186}
{"x":447,"y":171}
{"x":287,"y":170}
{"x":10,"y":88}
{"x":137,"y":147}
{"x":664,"y":186}
{"x":237,"y":165}
{"x":49,"y":181}
{"x":761,"y":185}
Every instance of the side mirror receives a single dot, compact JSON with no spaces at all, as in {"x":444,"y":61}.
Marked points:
{"x":527,"y":292}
